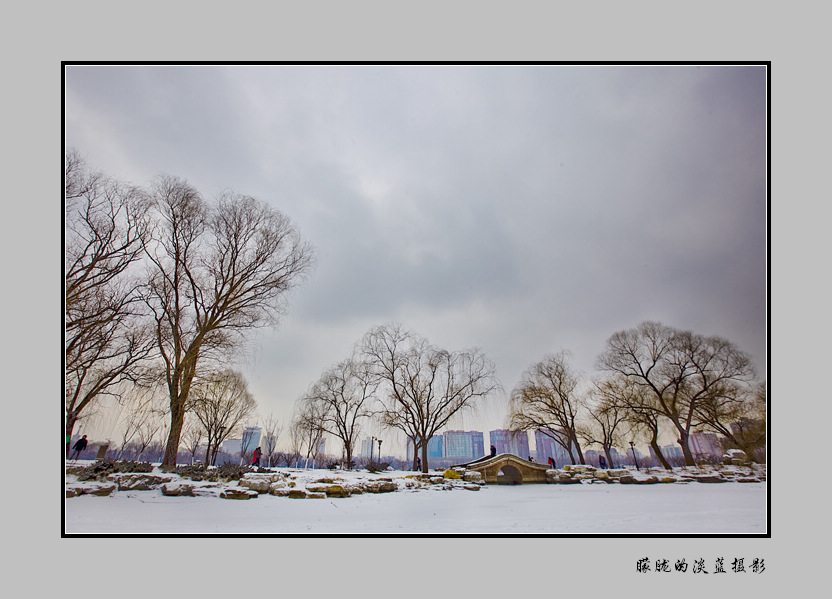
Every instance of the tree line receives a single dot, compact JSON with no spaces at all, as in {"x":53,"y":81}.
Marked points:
{"x":163,"y":286}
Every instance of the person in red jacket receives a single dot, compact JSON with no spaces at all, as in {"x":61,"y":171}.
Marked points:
{"x":256,"y":460}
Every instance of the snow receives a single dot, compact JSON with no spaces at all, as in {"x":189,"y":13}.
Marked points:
{"x":534,"y":509}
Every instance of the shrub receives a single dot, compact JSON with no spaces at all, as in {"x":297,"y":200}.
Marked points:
{"x":103,"y":468}
{"x":374,"y":466}
{"x":233,"y":471}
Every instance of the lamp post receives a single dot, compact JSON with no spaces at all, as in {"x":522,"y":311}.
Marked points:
{"x":371,"y":448}
{"x":633,"y":447}
{"x":379,"y":450}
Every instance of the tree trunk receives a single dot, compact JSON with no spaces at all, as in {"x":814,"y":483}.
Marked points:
{"x":655,"y":445}
{"x":609,"y":456}
{"x":71,"y":419}
{"x":683,"y":442}
{"x":425,"y":457}
{"x":177,"y":420}
{"x":578,"y":449}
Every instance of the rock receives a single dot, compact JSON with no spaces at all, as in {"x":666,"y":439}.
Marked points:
{"x":330,"y":490}
{"x":177,"y":489}
{"x":296,"y":493}
{"x":238,"y":493}
{"x":579,"y":468}
{"x":316,"y":495}
{"x":278,"y":484}
{"x":709,"y":478}
{"x":471,"y":487}
{"x":450,"y":473}
{"x":667,"y":479}
{"x":100,"y":490}
{"x":261,"y":485}
{"x":138,"y":482}
{"x":627,"y":480}
{"x":652,"y":480}
{"x":472,"y":476}
{"x":384,"y":486}
{"x":72,"y":493}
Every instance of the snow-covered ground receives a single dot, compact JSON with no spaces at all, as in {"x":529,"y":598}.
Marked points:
{"x":551,"y":509}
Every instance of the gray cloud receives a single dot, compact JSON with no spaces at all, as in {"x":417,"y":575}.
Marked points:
{"x":523,"y":209}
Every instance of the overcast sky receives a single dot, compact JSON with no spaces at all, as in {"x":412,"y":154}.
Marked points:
{"x":519,"y":209}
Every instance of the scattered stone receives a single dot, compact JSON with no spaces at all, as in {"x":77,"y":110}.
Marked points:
{"x":238,"y":493}
{"x":177,"y":489}
{"x":473,"y":476}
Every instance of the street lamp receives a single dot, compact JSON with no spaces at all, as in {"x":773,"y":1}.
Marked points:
{"x":379,"y":449}
{"x":633,"y":447}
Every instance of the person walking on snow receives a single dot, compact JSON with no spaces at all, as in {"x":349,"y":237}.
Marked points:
{"x":256,"y":460}
{"x":80,"y":445}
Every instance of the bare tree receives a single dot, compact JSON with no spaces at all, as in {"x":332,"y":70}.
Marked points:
{"x":607,"y":419}
{"x":193,"y":433}
{"x":307,"y":431}
{"x":425,"y":386}
{"x":105,"y":342}
{"x":679,"y":368}
{"x":342,"y":398}
{"x":738,"y":413}
{"x":547,"y":398}
{"x":271,"y":431}
{"x":222,"y":403}
{"x":217,"y":272}
{"x":143,"y":413}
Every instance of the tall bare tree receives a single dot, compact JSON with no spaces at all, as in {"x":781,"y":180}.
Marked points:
{"x":307,"y":431}
{"x":424,"y":386}
{"x":343,"y":397}
{"x":222,"y":403}
{"x":680,"y":369}
{"x":217,"y":272}
{"x":607,"y":420}
{"x":738,"y":413}
{"x":105,"y":341}
{"x":193,"y":433}
{"x":548,"y":399}
{"x":271,"y":433}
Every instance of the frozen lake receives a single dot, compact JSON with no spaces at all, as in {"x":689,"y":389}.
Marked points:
{"x":671,"y":509}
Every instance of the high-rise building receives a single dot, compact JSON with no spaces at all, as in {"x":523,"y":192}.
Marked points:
{"x":435,"y":447}
{"x":250,"y":439}
{"x":367,"y":447}
{"x":463,"y":445}
{"x":704,"y":445}
{"x":514,"y":442}
{"x":546,"y":447}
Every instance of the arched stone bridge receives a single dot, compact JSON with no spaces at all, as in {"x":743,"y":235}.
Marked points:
{"x":507,"y":468}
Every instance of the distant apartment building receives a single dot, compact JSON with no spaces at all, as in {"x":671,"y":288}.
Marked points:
{"x":546,"y":447}
{"x":463,"y":445}
{"x":704,"y":445}
{"x":435,"y":448}
{"x":367,"y":447}
{"x":250,"y":439}
{"x":514,"y":442}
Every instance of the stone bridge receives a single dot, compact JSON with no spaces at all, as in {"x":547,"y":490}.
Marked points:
{"x":508,"y":469}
